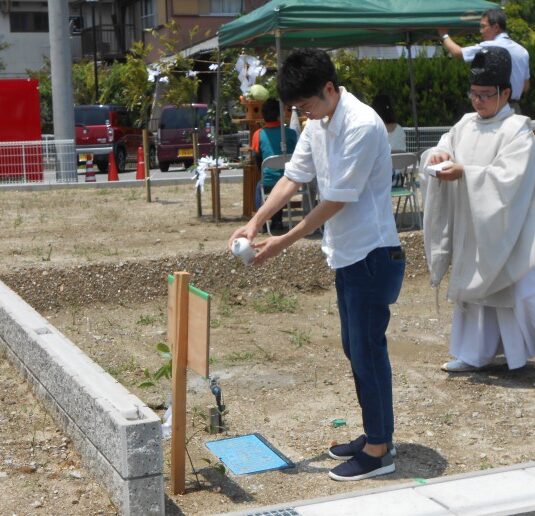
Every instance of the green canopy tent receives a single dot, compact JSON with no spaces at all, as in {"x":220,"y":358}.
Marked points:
{"x":348,"y":23}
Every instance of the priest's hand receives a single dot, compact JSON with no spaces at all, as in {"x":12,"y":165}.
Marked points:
{"x":451,"y":172}
{"x":439,"y":157}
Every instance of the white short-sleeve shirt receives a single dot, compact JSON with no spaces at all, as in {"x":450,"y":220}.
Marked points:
{"x":397,"y":139}
{"x":519,"y":60}
{"x":350,"y":157}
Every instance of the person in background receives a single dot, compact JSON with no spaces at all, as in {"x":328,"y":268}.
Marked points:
{"x":493,"y":30}
{"x":344,"y":145}
{"x":479,"y":218}
{"x":266,"y":142}
{"x":396,"y":134}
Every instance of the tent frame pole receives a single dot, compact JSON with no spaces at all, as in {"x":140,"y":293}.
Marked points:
{"x":217,"y":106}
{"x":413,"y":92}
{"x":281,"y":105}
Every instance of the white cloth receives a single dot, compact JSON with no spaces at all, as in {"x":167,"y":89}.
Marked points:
{"x":483,"y":224}
{"x":295,"y":124}
{"x":350,"y":157}
{"x":519,"y":60}
{"x":480,"y":332}
{"x":397,"y":139}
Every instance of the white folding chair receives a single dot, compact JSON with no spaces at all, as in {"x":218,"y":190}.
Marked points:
{"x":405,"y":165}
{"x":277,"y":162}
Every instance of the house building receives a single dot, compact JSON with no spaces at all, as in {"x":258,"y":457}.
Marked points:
{"x":106,"y":29}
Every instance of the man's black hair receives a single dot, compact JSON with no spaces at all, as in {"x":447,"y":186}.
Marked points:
{"x":496,"y":16}
{"x":304,"y":74}
{"x":270,"y":110}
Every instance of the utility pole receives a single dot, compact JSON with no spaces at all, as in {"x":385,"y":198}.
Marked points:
{"x":62,"y":99}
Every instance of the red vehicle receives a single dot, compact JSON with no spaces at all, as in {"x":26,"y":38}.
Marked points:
{"x":21,"y":122}
{"x":103,"y":128}
{"x":175,"y":130}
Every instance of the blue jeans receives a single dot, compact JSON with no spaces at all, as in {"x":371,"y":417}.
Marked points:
{"x":364,"y":290}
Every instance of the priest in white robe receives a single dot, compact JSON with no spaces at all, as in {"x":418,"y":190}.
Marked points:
{"x":479,"y":222}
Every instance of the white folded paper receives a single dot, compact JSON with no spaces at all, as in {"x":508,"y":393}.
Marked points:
{"x":433,"y":169}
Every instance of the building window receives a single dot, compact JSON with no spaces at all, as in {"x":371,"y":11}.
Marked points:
{"x":225,"y":7}
{"x":28,"y":22}
{"x":148,"y":16}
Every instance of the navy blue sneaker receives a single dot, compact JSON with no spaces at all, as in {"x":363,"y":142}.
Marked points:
{"x":363,"y":466}
{"x":347,"y":450}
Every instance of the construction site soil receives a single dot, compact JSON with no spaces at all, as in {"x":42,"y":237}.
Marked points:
{"x":95,"y":262}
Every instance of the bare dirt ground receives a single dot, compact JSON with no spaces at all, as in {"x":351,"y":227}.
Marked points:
{"x":94,"y":262}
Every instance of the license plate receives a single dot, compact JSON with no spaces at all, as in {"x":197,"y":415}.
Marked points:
{"x":185,"y":152}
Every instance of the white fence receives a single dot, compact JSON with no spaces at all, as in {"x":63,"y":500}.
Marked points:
{"x":41,"y":161}
{"x":429,"y":137}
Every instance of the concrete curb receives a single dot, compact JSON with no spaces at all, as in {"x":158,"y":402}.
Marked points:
{"x":496,"y":491}
{"x":31,"y":187}
{"x":118,"y":436}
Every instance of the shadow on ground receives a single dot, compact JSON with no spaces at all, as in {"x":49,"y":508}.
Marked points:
{"x":502,"y":376}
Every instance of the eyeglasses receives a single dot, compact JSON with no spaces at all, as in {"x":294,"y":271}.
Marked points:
{"x":472,"y":95}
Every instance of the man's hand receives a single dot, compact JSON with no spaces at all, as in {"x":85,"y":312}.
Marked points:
{"x":249,"y":231}
{"x":439,"y":157}
{"x":441,"y":31}
{"x":268,"y":248}
{"x":451,"y":172}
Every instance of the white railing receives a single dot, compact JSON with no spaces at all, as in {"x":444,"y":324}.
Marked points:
{"x":41,"y":161}
{"x":429,"y":137}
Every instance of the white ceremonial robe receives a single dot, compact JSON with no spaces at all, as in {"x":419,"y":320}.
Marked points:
{"x":483,"y":227}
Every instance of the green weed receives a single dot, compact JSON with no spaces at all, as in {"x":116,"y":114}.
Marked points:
{"x":237,"y":356}
{"x":165,"y":371}
{"x":447,"y":419}
{"x":298,"y":337}
{"x":129,"y":366}
{"x":133,"y":195}
{"x":146,"y":320}
{"x":274,"y":302}
{"x":18,"y":221}
{"x":225,"y":309}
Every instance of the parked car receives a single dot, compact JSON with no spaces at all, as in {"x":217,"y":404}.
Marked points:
{"x":105,"y":127}
{"x":175,"y":134}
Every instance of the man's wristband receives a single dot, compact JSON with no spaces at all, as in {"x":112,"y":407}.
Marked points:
{"x":445,"y":37}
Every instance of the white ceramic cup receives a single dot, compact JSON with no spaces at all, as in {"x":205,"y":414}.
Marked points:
{"x":241,"y":247}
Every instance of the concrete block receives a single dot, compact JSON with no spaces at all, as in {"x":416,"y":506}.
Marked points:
{"x":507,"y":492}
{"x":118,"y":436}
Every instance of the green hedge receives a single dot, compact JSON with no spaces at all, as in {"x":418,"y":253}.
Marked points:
{"x":441,"y":86}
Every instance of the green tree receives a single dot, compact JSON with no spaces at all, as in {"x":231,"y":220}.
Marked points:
{"x":45,"y":95}
{"x":182,"y":84}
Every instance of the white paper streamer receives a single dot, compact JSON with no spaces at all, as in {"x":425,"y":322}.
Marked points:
{"x":248,"y":68}
{"x":204,"y":164}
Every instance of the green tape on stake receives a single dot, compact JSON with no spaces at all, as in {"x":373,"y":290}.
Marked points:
{"x":170,"y":279}
{"x":198,"y":292}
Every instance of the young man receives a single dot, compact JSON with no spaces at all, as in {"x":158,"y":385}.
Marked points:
{"x":345,"y":147}
{"x":493,"y":30}
{"x":479,"y":217}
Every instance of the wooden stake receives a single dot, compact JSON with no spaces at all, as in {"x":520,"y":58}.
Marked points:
{"x":195,"y":137}
{"x":145,"y":137}
{"x":180,"y":358}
